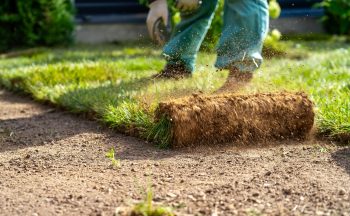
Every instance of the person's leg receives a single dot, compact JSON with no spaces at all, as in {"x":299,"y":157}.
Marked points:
{"x":181,"y":50}
{"x":246,"y":24}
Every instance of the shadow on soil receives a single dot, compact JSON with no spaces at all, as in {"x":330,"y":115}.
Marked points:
{"x":46,"y":126}
{"x":342,"y":158}
{"x":56,"y":128}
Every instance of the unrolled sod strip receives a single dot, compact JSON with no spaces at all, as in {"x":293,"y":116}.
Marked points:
{"x":201,"y":119}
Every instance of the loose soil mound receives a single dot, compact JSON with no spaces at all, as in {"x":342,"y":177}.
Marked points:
{"x":224,"y":118}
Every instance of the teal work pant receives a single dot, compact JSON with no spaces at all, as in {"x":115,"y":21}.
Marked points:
{"x":240,"y":45}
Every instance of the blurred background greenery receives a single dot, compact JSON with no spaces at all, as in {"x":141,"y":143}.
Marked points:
{"x":29,"y":23}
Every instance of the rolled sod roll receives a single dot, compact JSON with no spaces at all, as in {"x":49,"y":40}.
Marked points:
{"x":201,"y":119}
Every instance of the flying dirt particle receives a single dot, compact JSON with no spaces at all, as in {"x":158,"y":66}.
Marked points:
{"x":286,"y":191}
{"x":255,"y":194}
{"x":268,"y":173}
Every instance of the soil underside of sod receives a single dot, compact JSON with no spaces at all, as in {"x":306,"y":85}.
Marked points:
{"x":202,"y":119}
{"x":53,"y":163}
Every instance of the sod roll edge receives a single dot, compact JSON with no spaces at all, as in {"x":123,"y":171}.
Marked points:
{"x":202,"y":119}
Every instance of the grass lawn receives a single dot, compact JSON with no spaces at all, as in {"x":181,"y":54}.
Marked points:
{"x":111,"y":82}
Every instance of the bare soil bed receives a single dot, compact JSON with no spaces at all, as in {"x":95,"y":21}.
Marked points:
{"x":53,"y":163}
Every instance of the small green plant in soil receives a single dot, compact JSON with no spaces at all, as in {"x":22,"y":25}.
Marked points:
{"x":111,"y":156}
{"x":147,"y":208}
{"x":321,"y":148}
{"x":253,"y":212}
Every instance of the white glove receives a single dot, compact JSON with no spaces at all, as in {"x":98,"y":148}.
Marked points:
{"x":158,"y":10}
{"x":187,"y":5}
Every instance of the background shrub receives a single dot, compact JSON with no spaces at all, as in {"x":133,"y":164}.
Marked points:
{"x":25,"y":23}
{"x":337,"y":16}
{"x":8,"y":20}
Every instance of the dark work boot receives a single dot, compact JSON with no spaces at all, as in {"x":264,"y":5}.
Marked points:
{"x":235,"y":81}
{"x":176,"y":71}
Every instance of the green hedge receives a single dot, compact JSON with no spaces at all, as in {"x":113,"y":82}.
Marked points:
{"x":337,"y":16}
{"x":25,"y":23}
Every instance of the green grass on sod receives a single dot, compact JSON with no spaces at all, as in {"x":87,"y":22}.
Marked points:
{"x":111,"y":82}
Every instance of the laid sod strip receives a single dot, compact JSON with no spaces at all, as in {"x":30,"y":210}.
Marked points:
{"x":112,"y":83}
{"x":203,"y":119}
{"x":161,"y":132}
{"x":325,"y":76}
{"x":129,"y":117}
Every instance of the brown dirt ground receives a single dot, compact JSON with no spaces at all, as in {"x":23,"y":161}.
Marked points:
{"x":53,"y":163}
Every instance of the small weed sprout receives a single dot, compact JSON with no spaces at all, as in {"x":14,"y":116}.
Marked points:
{"x":252,"y":212}
{"x":146,"y":207}
{"x":323,"y":149}
{"x":111,"y":156}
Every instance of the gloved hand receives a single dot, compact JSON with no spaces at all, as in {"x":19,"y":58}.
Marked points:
{"x":158,"y":11}
{"x":187,"y":5}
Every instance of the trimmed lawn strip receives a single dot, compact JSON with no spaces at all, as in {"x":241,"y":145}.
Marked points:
{"x":324,"y":75}
{"x":112,"y":82}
